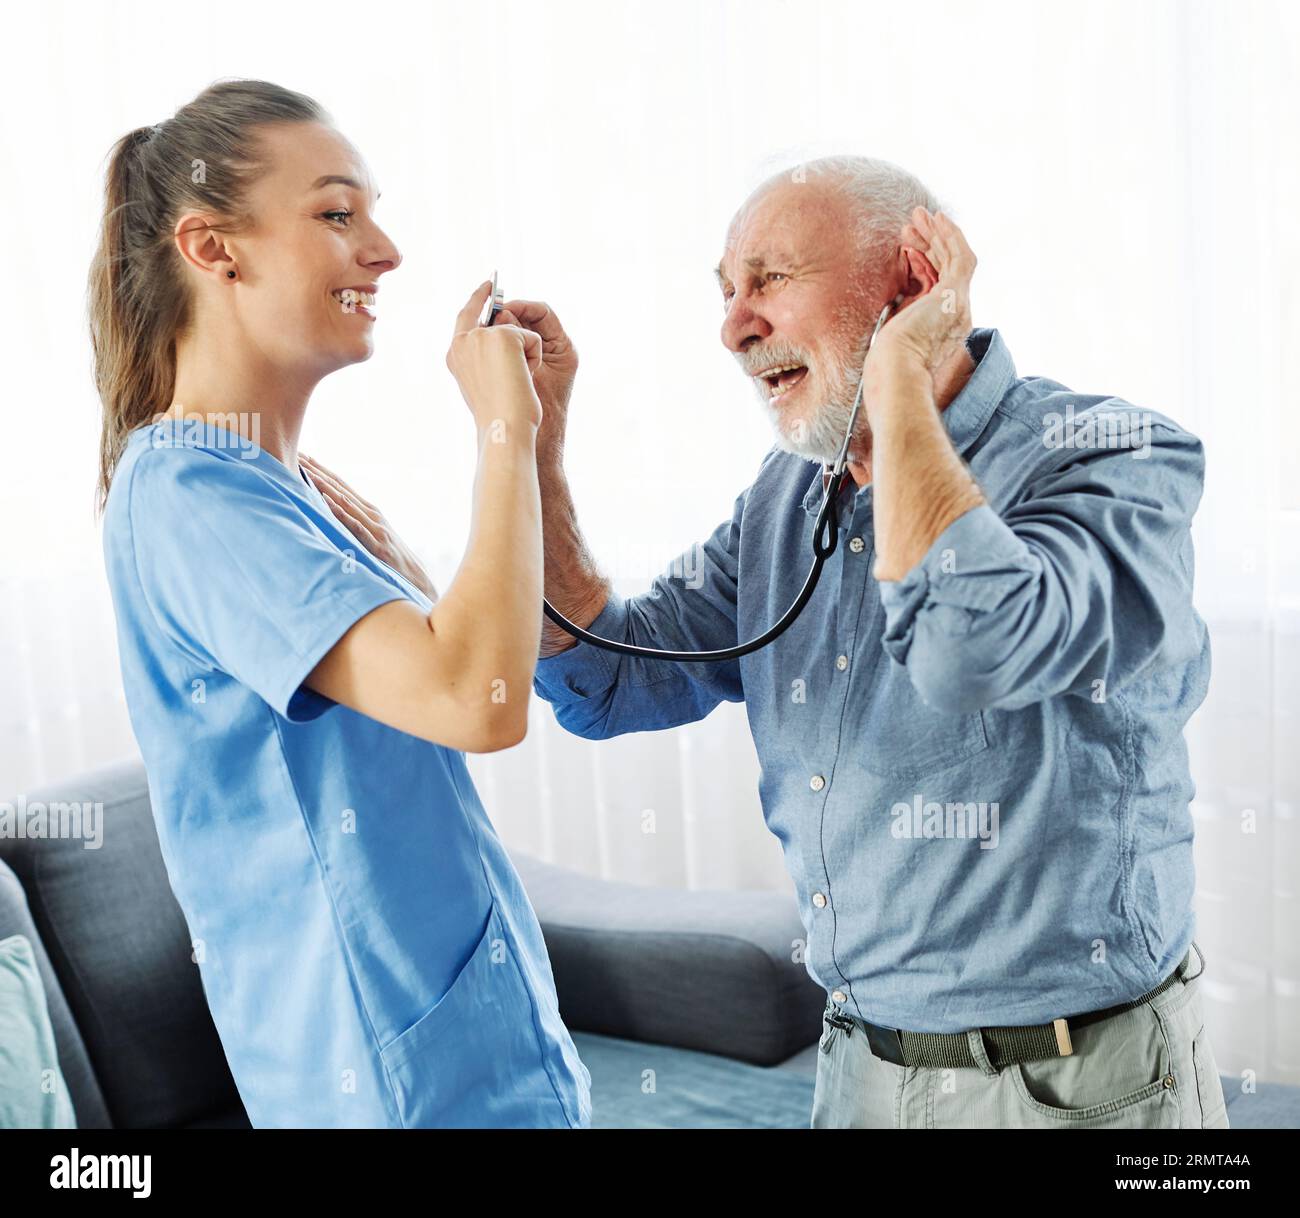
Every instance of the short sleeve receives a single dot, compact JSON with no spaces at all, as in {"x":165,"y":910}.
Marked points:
{"x":238,"y":575}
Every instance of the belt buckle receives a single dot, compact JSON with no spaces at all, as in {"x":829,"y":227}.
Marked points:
{"x":1064,"y":1046}
{"x":885,"y":1043}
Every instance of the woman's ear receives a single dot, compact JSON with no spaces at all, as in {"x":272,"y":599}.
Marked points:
{"x":200,"y":245}
{"x":917,"y":274}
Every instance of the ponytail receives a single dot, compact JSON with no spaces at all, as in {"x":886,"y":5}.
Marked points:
{"x":204,"y":157}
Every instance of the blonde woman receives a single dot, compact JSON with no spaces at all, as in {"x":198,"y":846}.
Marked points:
{"x":301,"y":696}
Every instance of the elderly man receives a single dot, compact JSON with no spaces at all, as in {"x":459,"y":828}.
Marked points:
{"x":971,"y":739}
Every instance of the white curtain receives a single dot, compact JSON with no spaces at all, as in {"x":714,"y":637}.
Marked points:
{"x":1125,"y":171}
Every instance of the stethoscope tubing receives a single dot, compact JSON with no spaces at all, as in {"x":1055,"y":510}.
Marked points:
{"x":825,"y":540}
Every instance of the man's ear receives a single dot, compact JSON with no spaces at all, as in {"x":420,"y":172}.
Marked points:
{"x":917,"y":274}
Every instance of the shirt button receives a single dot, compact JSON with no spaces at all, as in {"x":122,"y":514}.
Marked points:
{"x":840,"y":996}
{"x":857,"y":545}
{"x":817,"y":782}
{"x":819,"y":899}
{"x":841,"y":662}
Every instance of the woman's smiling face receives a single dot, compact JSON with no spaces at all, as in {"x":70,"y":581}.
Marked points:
{"x":313,"y":254}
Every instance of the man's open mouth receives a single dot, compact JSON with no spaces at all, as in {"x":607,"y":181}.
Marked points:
{"x":782,"y":378}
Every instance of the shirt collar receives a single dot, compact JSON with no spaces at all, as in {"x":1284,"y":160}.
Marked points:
{"x":199,"y":432}
{"x":967,"y":414}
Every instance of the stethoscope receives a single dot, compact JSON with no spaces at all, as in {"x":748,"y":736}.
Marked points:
{"x":825,"y":539}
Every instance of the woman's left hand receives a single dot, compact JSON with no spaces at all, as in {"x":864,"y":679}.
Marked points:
{"x":367,"y":524}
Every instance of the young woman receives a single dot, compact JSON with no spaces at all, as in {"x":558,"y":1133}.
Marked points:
{"x":301,"y":696}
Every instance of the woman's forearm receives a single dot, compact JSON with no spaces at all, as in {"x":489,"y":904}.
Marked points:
{"x":489,"y":614}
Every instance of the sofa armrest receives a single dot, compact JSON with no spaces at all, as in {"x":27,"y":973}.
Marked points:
{"x":712,"y":971}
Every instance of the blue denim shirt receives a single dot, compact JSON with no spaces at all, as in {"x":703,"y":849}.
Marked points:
{"x":977,"y":773}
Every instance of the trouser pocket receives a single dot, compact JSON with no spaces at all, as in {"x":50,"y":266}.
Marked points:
{"x":1209,"y":1089}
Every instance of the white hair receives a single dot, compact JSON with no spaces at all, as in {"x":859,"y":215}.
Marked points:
{"x":883,"y":195}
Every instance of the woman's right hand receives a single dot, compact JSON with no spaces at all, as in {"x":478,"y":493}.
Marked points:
{"x":494,"y":366}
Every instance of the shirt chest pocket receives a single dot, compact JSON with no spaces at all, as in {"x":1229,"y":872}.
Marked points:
{"x":474,"y":1058}
{"x":899,"y":736}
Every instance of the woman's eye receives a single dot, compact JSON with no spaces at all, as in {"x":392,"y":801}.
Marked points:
{"x":338,"y":216}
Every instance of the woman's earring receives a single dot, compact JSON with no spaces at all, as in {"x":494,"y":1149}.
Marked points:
{"x":230,"y":274}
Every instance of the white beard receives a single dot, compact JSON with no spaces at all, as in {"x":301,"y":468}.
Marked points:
{"x":819,"y":438}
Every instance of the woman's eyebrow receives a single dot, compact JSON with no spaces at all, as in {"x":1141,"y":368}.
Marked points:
{"x":338,"y":179}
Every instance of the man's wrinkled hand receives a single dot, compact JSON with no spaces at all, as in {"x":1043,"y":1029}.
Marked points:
{"x":553,"y":378}
{"x":927,"y":330}
{"x":368,"y":525}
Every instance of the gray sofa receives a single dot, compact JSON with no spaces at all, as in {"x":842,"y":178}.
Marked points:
{"x":698,"y":988}
{"x":687,"y":1007}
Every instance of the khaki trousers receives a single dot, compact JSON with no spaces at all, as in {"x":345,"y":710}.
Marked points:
{"x":1148,"y":1068}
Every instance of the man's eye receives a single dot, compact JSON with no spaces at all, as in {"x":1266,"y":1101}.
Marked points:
{"x":775,"y":275}
{"x":338,"y":216}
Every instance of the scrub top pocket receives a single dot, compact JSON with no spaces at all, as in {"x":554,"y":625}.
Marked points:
{"x":476,"y":1051}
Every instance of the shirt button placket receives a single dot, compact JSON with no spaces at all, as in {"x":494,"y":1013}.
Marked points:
{"x":852,"y":591}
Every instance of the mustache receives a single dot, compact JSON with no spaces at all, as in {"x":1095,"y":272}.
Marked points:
{"x":756,"y":359}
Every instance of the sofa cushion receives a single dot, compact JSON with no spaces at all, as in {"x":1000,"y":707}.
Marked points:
{"x":33,"y":1094}
{"x":119,"y":945}
{"x":639,"y":1086}
{"x":712,"y":971}
{"x":78,"y":1076}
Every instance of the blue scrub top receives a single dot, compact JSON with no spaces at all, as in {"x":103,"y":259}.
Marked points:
{"x":365,"y":945}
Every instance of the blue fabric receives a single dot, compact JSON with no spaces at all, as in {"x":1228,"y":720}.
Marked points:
{"x":33,"y":1094}
{"x":636,"y":1085}
{"x":991,"y":795}
{"x":365,"y":945}
{"x":1267,"y":1106}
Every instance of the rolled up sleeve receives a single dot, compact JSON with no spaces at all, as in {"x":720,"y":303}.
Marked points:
{"x":1079,"y":586}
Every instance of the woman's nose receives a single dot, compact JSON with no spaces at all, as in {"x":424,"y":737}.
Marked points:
{"x":387,"y":256}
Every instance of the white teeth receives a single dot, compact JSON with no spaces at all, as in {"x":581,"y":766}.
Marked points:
{"x":351,"y":297}
{"x":773,"y":389}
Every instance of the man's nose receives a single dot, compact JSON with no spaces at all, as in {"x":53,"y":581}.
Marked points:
{"x":743,"y":326}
